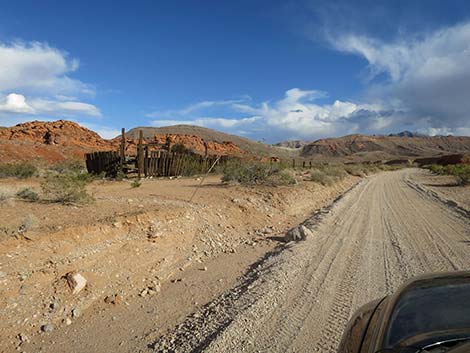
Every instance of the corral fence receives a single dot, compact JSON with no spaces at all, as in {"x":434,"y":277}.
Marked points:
{"x":107,"y":162}
{"x":151,"y":160}
{"x":156,"y":164}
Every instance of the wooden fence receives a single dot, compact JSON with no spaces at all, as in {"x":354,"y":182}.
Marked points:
{"x":154,"y":163}
{"x":104,"y":161}
{"x":164,"y":164}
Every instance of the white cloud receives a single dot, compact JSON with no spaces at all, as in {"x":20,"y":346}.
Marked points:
{"x":296,"y":115}
{"x":194,"y":108}
{"x":207,"y":122}
{"x":428,"y":77}
{"x":35,"y":80}
{"x":15,"y":103}
{"x":37,"y":67}
{"x":18,"y":104}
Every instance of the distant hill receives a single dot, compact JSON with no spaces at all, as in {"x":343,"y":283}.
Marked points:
{"x":292,"y":144}
{"x":366,"y":147}
{"x":48,"y":141}
{"x":250,"y":146}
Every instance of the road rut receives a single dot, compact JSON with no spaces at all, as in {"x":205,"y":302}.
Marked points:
{"x":380,"y":234}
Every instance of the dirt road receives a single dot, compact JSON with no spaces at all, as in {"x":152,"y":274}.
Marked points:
{"x":384,"y":231}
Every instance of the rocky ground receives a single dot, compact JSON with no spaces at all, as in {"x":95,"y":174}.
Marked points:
{"x":149,"y":257}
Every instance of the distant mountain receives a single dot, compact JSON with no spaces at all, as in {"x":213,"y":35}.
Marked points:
{"x":250,"y":146}
{"x":292,"y":144}
{"x":366,"y":147}
{"x":407,"y":133}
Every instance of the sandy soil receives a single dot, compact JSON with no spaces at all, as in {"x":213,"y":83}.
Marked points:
{"x":387,"y":229}
{"x":154,"y":255}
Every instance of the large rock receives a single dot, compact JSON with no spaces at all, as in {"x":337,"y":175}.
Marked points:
{"x":298,"y":233}
{"x":75,"y":281}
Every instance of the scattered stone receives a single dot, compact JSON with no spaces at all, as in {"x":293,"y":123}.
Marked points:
{"x":68,"y":321}
{"x":47,"y":328}
{"x":143,"y":293}
{"x":23,"y":337}
{"x":75,"y":281}
{"x":298,"y":233}
{"x":76,"y":312}
{"x":204,"y":268}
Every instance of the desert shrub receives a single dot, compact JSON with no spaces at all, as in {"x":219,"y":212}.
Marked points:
{"x":6,"y":193}
{"x":136,"y":183}
{"x":179,"y":148}
{"x":282,"y":177}
{"x":460,"y":171}
{"x":355,"y":169}
{"x":253,"y":173}
{"x":69,"y":166}
{"x":66,"y":187}
{"x":21,"y":170}
{"x":328,"y":174}
{"x":249,"y":173}
{"x":120,"y":175}
{"x":27,"y":194}
{"x":320,"y":177}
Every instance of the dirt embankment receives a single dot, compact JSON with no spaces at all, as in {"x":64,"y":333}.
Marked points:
{"x":134,"y":247}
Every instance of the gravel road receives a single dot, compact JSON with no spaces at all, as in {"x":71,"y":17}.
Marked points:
{"x":384,"y":231}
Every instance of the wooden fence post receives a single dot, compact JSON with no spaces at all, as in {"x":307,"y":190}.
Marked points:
{"x":140,"y":155}
{"x":293,"y":163}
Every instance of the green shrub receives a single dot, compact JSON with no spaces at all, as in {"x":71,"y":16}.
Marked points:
{"x":460,"y":171}
{"x":66,"y":188}
{"x":252,"y":173}
{"x":69,"y":166}
{"x":328,"y":174}
{"x":355,"y":169}
{"x":120,"y":175}
{"x":320,"y":177}
{"x":27,"y":194}
{"x":21,"y":170}
{"x":136,"y":183}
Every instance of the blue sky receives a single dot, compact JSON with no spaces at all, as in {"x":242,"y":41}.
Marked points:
{"x":268,"y":70}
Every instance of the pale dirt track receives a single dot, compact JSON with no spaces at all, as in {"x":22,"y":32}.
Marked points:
{"x":381,"y":233}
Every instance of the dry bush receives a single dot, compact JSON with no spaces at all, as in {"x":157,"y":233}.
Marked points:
{"x":460,"y":171}
{"x":27,"y":194}
{"x":21,"y":170}
{"x":253,"y":173}
{"x":66,"y":188}
{"x":328,"y":174}
{"x":136,"y":183}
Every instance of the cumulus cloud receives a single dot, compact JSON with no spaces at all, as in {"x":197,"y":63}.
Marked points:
{"x":427,"y":76}
{"x":296,"y":115}
{"x":35,"y":79}
{"x":15,"y":103}
{"x":18,"y":104}
{"x":37,"y":67}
